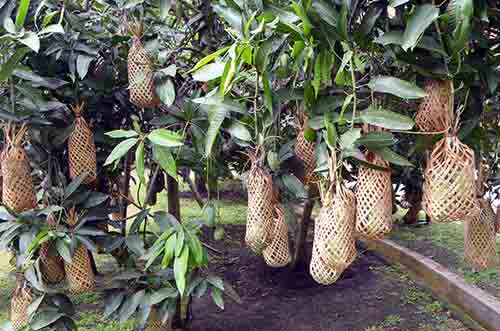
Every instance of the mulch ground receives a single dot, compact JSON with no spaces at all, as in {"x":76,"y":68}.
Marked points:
{"x":280,"y":299}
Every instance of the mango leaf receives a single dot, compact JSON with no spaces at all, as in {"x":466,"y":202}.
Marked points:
{"x":349,"y":138}
{"x":8,"y":67}
{"x":130,"y":306}
{"x":22,"y":12}
{"x":120,"y":150}
{"x":216,"y":116}
{"x":166,"y":138}
{"x":326,"y":12}
{"x":180,"y":269}
{"x":82,"y":65}
{"x":377,"y":140}
{"x":209,"y":72}
{"x":330,"y":134}
{"x":209,"y":58}
{"x":166,"y":92}
{"x":387,"y":119}
{"x":397,"y":87}
{"x":217,"y":297}
{"x":38,"y":81}
{"x":166,"y":160}
{"x":63,"y":250}
{"x":239,"y":131}
{"x":169,"y":250}
{"x":392,"y":157}
{"x":162,"y":294}
{"x":420,"y":20}
{"x":112,"y":303}
{"x":230,"y":15}
{"x":295,"y":186}
{"x":31,"y":40}
{"x":395,"y":3}
{"x":44,"y":318}
{"x":54,"y":28}
{"x":165,"y":6}
{"x":139,"y":162}
{"x":74,"y":185}
{"x":122,"y":134}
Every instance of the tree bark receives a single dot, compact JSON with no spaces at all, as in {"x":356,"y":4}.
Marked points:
{"x":194,"y":190}
{"x":174,"y":205}
{"x":299,"y":253}
{"x":414,"y":198}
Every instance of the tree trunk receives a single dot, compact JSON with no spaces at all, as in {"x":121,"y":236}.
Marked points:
{"x":299,"y":253}
{"x":414,"y":198}
{"x":174,"y":204}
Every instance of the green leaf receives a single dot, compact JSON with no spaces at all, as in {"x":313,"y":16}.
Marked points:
{"x":162,"y":294}
{"x":209,"y":72}
{"x":54,"y":28}
{"x":397,"y":87}
{"x":388,"y":155}
{"x":217,"y":297}
{"x":31,"y":40}
{"x":22,"y":12}
{"x":166,"y":92}
{"x":82,"y":65}
{"x":196,"y":248}
{"x":228,"y":75}
{"x":33,"y":307}
{"x":230,"y":15}
{"x":166,"y":160}
{"x":165,"y":6}
{"x":326,"y":12}
{"x":295,"y":186}
{"x":130,"y":306}
{"x":387,"y":119}
{"x":239,"y":131}
{"x":112,"y":303}
{"x":74,"y":185}
{"x":330,"y":134}
{"x":120,"y":150}
{"x":395,"y":3}
{"x":171,"y":70}
{"x":169,"y":250}
{"x":122,"y":134}
{"x":317,"y":74}
{"x":166,"y":138}
{"x":349,"y":138}
{"x":209,"y":58}
{"x":44,"y":318}
{"x":216,"y":116}
{"x":180,"y":269}
{"x":139,"y":162}
{"x":420,"y":20}
{"x":8,"y":67}
{"x":268,"y":95}
{"x":377,"y":140}
{"x":216,"y":281}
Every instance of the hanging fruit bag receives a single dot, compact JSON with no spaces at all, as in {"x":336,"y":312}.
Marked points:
{"x":21,"y":300}
{"x":277,"y":252}
{"x":305,"y":150}
{"x":433,"y":113}
{"x":374,"y":199}
{"x":18,"y":192}
{"x":51,"y":264}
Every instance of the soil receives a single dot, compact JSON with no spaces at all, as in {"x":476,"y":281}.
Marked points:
{"x":280,"y":299}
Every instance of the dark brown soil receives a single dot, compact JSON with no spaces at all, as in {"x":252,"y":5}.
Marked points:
{"x":280,"y":299}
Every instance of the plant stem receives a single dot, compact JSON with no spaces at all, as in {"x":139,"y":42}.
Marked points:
{"x":441,"y":41}
{"x":12,"y":95}
{"x":354,"y":99}
{"x":255,"y":104}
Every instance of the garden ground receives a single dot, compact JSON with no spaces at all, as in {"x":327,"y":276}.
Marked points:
{"x":370,"y":296}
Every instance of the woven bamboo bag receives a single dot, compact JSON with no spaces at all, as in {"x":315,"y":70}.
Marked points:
{"x":338,"y":250}
{"x":497,"y":220}
{"x":374,"y":199}
{"x":480,"y":239}
{"x":449,"y":182}
{"x":81,"y":149}
{"x":51,"y":266}
{"x":155,"y":322}
{"x":79,"y":272}
{"x":140,"y":73}
{"x":18,"y":192}
{"x":21,"y":300}
{"x":306,"y":151}
{"x":260,"y":215}
{"x":433,"y":113}
{"x":277,"y":252}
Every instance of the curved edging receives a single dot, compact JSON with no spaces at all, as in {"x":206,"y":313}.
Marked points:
{"x":448,"y":286}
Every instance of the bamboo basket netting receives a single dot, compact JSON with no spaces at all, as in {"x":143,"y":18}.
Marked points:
{"x":480,"y":239}
{"x":51,"y":266}
{"x":260,"y":215}
{"x":277,"y":252}
{"x":434,"y":113}
{"x":338,"y":248}
{"x":18,"y":192}
{"x":374,"y":199}
{"x":79,"y":273}
{"x":81,"y":149}
{"x":155,"y":322}
{"x":21,"y":300}
{"x":497,"y":220}
{"x":140,"y":73}
{"x":449,"y":182}
{"x":306,"y":151}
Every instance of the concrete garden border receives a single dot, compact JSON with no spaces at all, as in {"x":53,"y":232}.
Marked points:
{"x":481,"y":306}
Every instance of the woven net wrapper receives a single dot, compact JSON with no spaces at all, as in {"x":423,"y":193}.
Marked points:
{"x":338,"y":248}
{"x":79,"y":272}
{"x":21,"y":299}
{"x":260,"y":215}
{"x":433,"y":113}
{"x":18,"y":192}
{"x":480,"y":239}
{"x":374,"y":199}
{"x":51,"y":266}
{"x":497,"y":220}
{"x":81,"y":150}
{"x":277,"y":252}
{"x":140,"y":77}
{"x":449,"y":182}
{"x":155,"y":322}
{"x":306,"y":151}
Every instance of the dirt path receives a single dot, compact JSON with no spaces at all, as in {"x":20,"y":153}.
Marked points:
{"x":370,"y":296}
